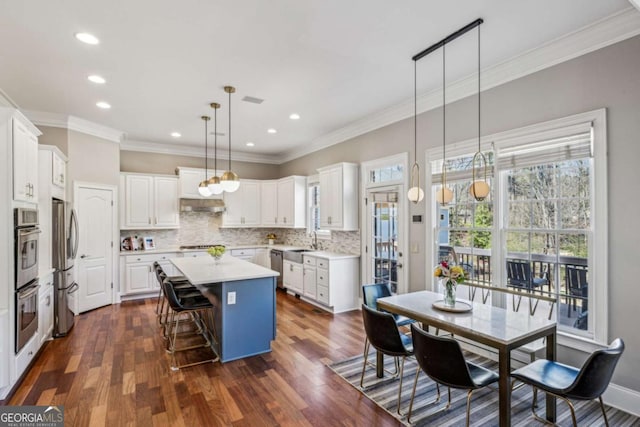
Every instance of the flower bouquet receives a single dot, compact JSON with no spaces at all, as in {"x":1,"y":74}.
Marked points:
{"x":216,"y":252}
{"x":451,"y":276}
{"x":272,"y":238}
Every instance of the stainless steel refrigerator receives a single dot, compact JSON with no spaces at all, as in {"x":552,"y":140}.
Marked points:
{"x":64,"y":240}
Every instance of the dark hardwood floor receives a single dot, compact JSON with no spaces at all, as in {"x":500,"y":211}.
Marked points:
{"x":113,"y":370}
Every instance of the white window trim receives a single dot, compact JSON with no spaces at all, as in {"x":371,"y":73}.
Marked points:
{"x":599,"y":306}
{"x":322,"y":234}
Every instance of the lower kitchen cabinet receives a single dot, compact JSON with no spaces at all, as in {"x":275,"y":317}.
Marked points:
{"x":292,"y":276}
{"x":331,"y":283}
{"x":45,"y":309}
{"x":137,"y":275}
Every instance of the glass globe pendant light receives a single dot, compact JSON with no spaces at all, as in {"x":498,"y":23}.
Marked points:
{"x":229,"y":180}
{"x":203,"y":187}
{"x":415,"y":193}
{"x":479,"y":189}
{"x":215,"y":187}
{"x":444,"y":195}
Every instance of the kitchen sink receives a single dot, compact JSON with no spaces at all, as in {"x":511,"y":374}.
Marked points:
{"x":295,"y":255}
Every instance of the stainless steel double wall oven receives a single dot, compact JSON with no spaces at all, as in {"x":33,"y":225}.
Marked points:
{"x":26,"y":237}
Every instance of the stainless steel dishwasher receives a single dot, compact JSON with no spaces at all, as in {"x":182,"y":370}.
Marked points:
{"x":276,"y":265}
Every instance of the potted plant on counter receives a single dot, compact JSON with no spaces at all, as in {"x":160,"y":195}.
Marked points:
{"x":272,"y":238}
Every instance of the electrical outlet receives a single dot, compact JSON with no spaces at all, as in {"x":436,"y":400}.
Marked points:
{"x":231,"y":298}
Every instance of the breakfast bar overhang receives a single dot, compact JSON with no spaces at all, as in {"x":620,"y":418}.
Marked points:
{"x":244,"y":300}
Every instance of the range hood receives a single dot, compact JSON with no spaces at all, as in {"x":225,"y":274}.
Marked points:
{"x":202,"y":205}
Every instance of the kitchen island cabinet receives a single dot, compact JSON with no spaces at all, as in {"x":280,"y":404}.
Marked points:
{"x":244,"y":299}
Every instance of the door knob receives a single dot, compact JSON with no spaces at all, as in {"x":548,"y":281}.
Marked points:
{"x":399,"y":265}
{"x":83,"y":256}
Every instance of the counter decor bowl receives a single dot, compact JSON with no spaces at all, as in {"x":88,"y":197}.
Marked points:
{"x":216,"y":252}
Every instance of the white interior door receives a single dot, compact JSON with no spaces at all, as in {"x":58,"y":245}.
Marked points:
{"x":385,"y":256}
{"x":95,"y":262}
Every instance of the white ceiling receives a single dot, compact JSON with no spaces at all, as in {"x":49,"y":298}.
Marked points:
{"x":334,"y":62}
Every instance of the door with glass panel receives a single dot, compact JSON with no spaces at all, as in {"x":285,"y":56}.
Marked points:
{"x":384,"y":248}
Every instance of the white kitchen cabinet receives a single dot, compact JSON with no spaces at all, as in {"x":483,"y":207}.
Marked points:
{"x":149,"y":201}
{"x":292,"y":276}
{"x":292,"y":202}
{"x":262,"y":257}
{"x":45,"y":309}
{"x":269,"y":203}
{"x":331,"y":283}
{"x":137,"y":275}
{"x":190,"y":179}
{"x":339,"y":197}
{"x":58,"y":169}
{"x":25,"y":159}
{"x":245,"y":254}
{"x":243,"y":205}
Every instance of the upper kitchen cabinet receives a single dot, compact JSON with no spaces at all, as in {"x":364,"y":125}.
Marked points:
{"x":25,"y":158}
{"x":190,"y":179}
{"x":291,"y":200}
{"x":149,"y":201}
{"x":269,"y":203}
{"x":243,"y":205}
{"x":339,"y":197}
{"x":52,"y":168}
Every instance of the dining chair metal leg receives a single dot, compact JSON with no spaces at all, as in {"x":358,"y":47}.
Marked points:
{"x":413,"y":394}
{"x":364,"y":365}
{"x":604,"y":412}
{"x":400,"y":386}
{"x":469,"y":393}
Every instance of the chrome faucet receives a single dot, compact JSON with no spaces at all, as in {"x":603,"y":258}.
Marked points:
{"x":314,"y":244}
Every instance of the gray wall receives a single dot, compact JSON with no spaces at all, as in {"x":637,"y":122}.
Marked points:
{"x":152,"y":163}
{"x":608,"y":78}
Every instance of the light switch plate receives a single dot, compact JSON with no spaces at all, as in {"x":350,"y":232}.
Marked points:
{"x":415,"y":248}
{"x":231,"y":298}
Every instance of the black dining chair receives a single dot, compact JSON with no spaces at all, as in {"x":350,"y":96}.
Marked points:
{"x":577,"y":287}
{"x":567,"y":382}
{"x":370,"y":295}
{"x":441,"y":358}
{"x":384,"y":336}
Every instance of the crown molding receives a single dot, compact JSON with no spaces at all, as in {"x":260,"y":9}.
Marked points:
{"x":196,"y":151}
{"x":77,"y":124}
{"x":607,"y":31}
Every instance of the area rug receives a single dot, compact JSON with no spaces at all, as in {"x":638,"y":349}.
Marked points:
{"x":484,"y":404}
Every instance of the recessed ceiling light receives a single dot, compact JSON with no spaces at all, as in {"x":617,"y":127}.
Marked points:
{"x":103,"y":105}
{"x":272,"y":130}
{"x":87,"y":38}
{"x":176,"y":134}
{"x":250,"y":144}
{"x":97,"y":79}
{"x":294,"y":116}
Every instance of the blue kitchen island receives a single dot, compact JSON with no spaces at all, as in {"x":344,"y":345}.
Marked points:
{"x":244,"y":298}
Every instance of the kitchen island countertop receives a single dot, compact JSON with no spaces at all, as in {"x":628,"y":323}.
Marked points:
{"x":203,"y":270}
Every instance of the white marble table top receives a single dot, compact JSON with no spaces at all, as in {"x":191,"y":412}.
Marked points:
{"x":202,"y":270}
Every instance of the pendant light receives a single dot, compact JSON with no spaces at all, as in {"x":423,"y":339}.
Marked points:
{"x":479,"y":189}
{"x":203,"y":188}
{"x":415,"y":193}
{"x":215,"y":187}
{"x":444,"y":195}
{"x":229,"y":180}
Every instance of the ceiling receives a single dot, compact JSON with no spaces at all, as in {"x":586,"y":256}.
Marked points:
{"x":333,"y":62}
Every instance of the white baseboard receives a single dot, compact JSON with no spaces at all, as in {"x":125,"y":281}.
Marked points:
{"x":623,"y":398}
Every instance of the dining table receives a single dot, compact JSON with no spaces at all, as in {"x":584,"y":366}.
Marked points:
{"x":496,"y":327}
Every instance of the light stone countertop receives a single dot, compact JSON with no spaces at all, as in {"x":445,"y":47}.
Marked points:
{"x":176,"y":249}
{"x":204,"y":270}
{"x":329,"y":255}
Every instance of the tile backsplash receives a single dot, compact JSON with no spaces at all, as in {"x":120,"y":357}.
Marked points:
{"x":197,"y":228}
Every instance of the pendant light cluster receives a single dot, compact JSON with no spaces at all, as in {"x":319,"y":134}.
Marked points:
{"x":229,"y":180}
{"x":479,"y":189}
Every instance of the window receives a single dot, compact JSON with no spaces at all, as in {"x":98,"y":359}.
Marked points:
{"x":547,"y":209}
{"x":314,"y":212}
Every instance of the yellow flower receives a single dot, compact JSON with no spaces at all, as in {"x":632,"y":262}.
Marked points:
{"x":456,"y":270}
{"x":437,"y":272}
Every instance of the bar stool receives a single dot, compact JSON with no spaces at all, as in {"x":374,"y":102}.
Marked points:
{"x":180,"y":283}
{"x":194,"y":309}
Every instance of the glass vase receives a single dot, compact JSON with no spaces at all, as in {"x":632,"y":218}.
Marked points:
{"x":449,"y":292}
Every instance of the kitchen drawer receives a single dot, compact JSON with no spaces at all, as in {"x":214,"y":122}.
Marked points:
{"x":322,"y":277}
{"x":309,"y":260}
{"x":323,"y":294}
{"x":243,"y":252}
{"x":322,"y":263}
{"x":129,"y":259}
{"x":166,"y":256}
{"x":194,"y":254}
{"x":26,"y":355}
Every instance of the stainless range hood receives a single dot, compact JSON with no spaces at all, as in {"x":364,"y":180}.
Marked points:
{"x":202,"y":205}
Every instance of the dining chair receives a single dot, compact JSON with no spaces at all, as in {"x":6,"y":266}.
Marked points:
{"x":441,"y":358}
{"x":383,"y":334}
{"x":577,"y":287}
{"x":568,"y":382}
{"x":370,"y":295}
{"x":520,"y":277}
